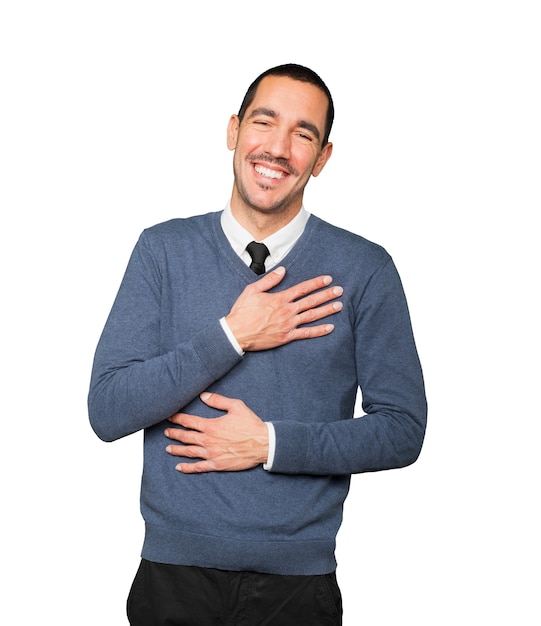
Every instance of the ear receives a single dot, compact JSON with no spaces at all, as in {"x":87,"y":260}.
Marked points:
{"x":322,"y":159}
{"x":233,"y":132}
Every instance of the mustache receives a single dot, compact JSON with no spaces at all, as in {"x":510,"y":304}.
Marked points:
{"x":267,"y":158}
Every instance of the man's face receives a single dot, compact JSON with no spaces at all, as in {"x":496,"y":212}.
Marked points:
{"x":278,"y":146}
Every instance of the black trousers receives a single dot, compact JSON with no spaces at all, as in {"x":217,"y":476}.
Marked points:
{"x":175,"y":595}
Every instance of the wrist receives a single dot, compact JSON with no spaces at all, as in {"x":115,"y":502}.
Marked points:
{"x":237,"y":334}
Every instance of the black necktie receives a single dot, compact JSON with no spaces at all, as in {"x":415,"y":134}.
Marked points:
{"x":259,"y":252}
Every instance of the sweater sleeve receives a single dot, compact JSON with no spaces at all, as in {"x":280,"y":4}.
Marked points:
{"x":133,"y":384}
{"x":390,"y":433}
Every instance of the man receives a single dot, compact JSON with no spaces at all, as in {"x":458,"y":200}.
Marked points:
{"x":246,"y":386}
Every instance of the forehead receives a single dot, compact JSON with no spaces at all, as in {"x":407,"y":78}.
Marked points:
{"x":292,"y":99}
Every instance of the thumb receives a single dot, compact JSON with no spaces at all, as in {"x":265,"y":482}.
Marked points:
{"x":271,"y":279}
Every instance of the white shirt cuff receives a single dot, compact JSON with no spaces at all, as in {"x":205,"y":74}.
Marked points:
{"x":231,"y":336}
{"x":272,"y":446}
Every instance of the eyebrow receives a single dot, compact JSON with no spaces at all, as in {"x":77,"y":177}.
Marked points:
{"x":301,"y":123}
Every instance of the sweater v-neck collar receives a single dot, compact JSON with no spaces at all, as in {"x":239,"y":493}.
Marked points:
{"x":291,"y":256}
{"x":278,"y":244}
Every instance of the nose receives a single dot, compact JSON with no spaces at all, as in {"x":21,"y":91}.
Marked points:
{"x":278,"y":144}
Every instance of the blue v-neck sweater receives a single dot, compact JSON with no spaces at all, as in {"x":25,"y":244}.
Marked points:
{"x":163,"y":345}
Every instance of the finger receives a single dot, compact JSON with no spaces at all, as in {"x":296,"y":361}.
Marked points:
{"x":307,"y":287}
{"x":190,"y":452}
{"x":270,"y":280}
{"x":177,"y":418}
{"x":217,"y":401}
{"x":192,"y":422}
{"x":196,"y":468}
{"x":175,"y":450}
{"x":315,"y":299}
{"x":309,"y":332}
{"x":192,"y":437}
{"x":318,"y":313}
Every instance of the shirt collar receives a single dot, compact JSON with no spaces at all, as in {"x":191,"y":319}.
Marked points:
{"x":279,"y":243}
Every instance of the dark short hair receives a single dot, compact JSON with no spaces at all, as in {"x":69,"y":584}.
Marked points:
{"x":296,"y":72}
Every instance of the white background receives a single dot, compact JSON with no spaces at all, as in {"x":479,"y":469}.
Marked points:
{"x":113,"y":118}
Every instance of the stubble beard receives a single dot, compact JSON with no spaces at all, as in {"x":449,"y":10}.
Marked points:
{"x":280,"y":205}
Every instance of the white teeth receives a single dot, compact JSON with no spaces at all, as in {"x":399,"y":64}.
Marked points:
{"x":264,"y":171}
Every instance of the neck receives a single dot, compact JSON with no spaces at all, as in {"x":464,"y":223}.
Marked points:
{"x":261,"y":223}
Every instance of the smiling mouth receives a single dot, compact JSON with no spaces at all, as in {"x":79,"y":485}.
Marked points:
{"x":268,"y":173}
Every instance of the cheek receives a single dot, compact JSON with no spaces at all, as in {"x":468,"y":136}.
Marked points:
{"x":305,"y":163}
{"x":249,"y":144}
{"x":305,"y":155}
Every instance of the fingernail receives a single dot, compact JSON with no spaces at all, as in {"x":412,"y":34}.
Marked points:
{"x":327,"y":280}
{"x":205,"y":395}
{"x":280,"y":270}
{"x":329,"y":328}
{"x":338,"y":291}
{"x":337,"y":306}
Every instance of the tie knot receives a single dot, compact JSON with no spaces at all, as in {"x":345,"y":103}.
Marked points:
{"x":259,"y":252}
